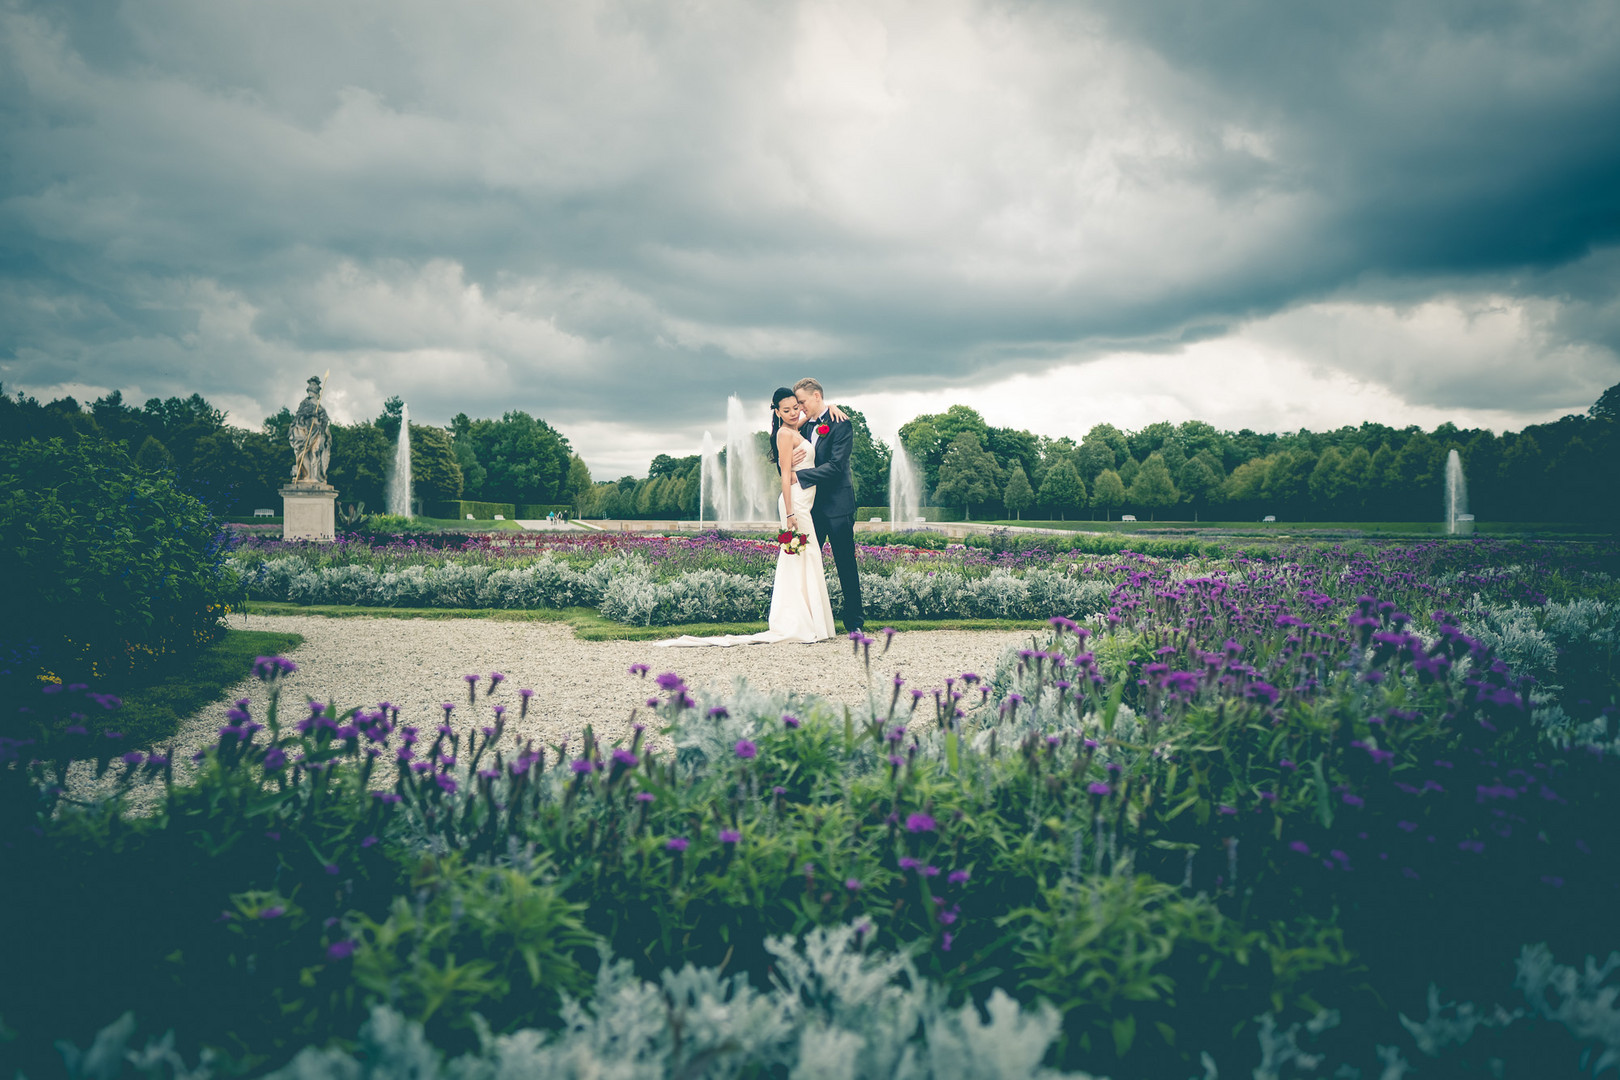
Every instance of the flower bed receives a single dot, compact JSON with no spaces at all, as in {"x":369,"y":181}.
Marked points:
{"x":1189,"y":825}
{"x":660,"y":581}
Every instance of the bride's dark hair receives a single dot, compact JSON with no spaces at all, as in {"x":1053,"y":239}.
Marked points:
{"x":776,"y":421}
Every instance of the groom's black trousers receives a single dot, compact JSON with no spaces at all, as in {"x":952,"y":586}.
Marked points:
{"x":841,"y":535}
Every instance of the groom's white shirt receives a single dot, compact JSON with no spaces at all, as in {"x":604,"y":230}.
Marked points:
{"x":815,"y":429}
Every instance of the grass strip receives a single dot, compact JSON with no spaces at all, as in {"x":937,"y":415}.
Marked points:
{"x":1279,"y":529}
{"x":155,"y":704}
{"x":590,"y":626}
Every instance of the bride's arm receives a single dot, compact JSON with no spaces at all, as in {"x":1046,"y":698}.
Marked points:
{"x":784,"y":453}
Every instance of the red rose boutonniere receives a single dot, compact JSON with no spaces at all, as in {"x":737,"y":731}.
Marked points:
{"x":823,"y":429}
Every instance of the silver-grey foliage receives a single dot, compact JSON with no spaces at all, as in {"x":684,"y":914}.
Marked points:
{"x":836,"y":1011}
{"x":625,"y":589}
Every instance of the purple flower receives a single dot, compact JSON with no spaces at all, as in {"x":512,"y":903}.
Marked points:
{"x":1353,"y":800}
{"x":1474,"y":846}
{"x":670,"y":681}
{"x":368,"y":841}
{"x":719,"y":712}
{"x":1096,"y":787}
{"x":645,"y":797}
{"x":386,"y":797}
{"x":640,"y":669}
{"x":331,"y":869}
{"x":852,"y":884}
{"x":446,"y":782}
{"x":730,"y":836}
{"x":920,"y":823}
{"x":746,"y":749}
{"x":274,"y":759}
{"x":958,"y":877}
{"x":271,"y":668}
{"x":581,"y":766}
{"x":624,"y":757}
{"x":1300,"y":846}
{"x":677,"y":844}
{"x":274,"y":911}
{"x":790,"y":721}
{"x":908,"y":863}
{"x":945,"y":941}
{"x":133,"y":758}
{"x":340,"y":950}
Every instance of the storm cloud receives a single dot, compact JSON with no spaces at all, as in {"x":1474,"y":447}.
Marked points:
{"x":613,"y":214}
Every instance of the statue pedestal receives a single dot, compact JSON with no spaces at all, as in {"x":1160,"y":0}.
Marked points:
{"x":308,"y":512}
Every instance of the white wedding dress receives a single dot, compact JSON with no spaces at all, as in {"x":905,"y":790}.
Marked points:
{"x":800,"y":607}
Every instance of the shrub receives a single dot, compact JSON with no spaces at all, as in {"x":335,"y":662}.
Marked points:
{"x":109,"y":568}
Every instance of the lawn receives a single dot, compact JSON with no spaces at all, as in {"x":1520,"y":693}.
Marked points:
{"x":154,"y":704}
{"x":1272,"y":528}
{"x":589,"y":626}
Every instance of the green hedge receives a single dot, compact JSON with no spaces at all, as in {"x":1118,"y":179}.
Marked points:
{"x":110,"y":569}
{"x":481,"y":511}
{"x":534,"y":511}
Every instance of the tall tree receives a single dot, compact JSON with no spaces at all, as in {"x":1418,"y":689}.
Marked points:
{"x":1198,"y":482}
{"x":361,"y":457}
{"x":868,"y":462}
{"x":435,"y":476}
{"x":1108,"y":493}
{"x":1153,"y":487}
{"x":1093,"y":457}
{"x":1018,"y":495}
{"x":1358,"y":474}
{"x":1063,"y":490}
{"x":928,"y":438}
{"x":579,"y":480}
{"x":1327,"y":484}
{"x":968,"y":475}
{"x":1287,"y":483}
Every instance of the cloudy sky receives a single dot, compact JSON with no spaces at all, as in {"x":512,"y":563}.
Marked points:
{"x":614,"y":213}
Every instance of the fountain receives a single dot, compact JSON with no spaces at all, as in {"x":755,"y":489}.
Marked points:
{"x":735,"y":485}
{"x":1458,"y":519}
{"x":905,"y":491}
{"x":399,"y":478}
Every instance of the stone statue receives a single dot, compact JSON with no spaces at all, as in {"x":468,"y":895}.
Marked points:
{"x":311,"y":438}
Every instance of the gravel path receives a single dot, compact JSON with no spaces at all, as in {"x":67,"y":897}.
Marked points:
{"x":418,"y":663}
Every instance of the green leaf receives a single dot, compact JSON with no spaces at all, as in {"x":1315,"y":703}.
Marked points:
{"x":1111,"y":709}
{"x":1324,"y":806}
{"x":1124,"y":1035}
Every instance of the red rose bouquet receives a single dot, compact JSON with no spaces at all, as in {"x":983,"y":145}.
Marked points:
{"x":792,"y":542}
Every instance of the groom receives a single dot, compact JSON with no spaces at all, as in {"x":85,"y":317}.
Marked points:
{"x":833,"y":513}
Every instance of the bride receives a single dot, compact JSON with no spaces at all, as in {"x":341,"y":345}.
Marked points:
{"x":800,"y":608}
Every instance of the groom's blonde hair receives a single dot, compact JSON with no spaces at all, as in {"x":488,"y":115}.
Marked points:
{"x":809,"y":384}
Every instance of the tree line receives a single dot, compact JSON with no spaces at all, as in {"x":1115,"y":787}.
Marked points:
{"x":516,"y":459}
{"x":1559,"y":471}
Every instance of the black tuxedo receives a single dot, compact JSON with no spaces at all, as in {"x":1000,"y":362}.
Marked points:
{"x":833,"y":514}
